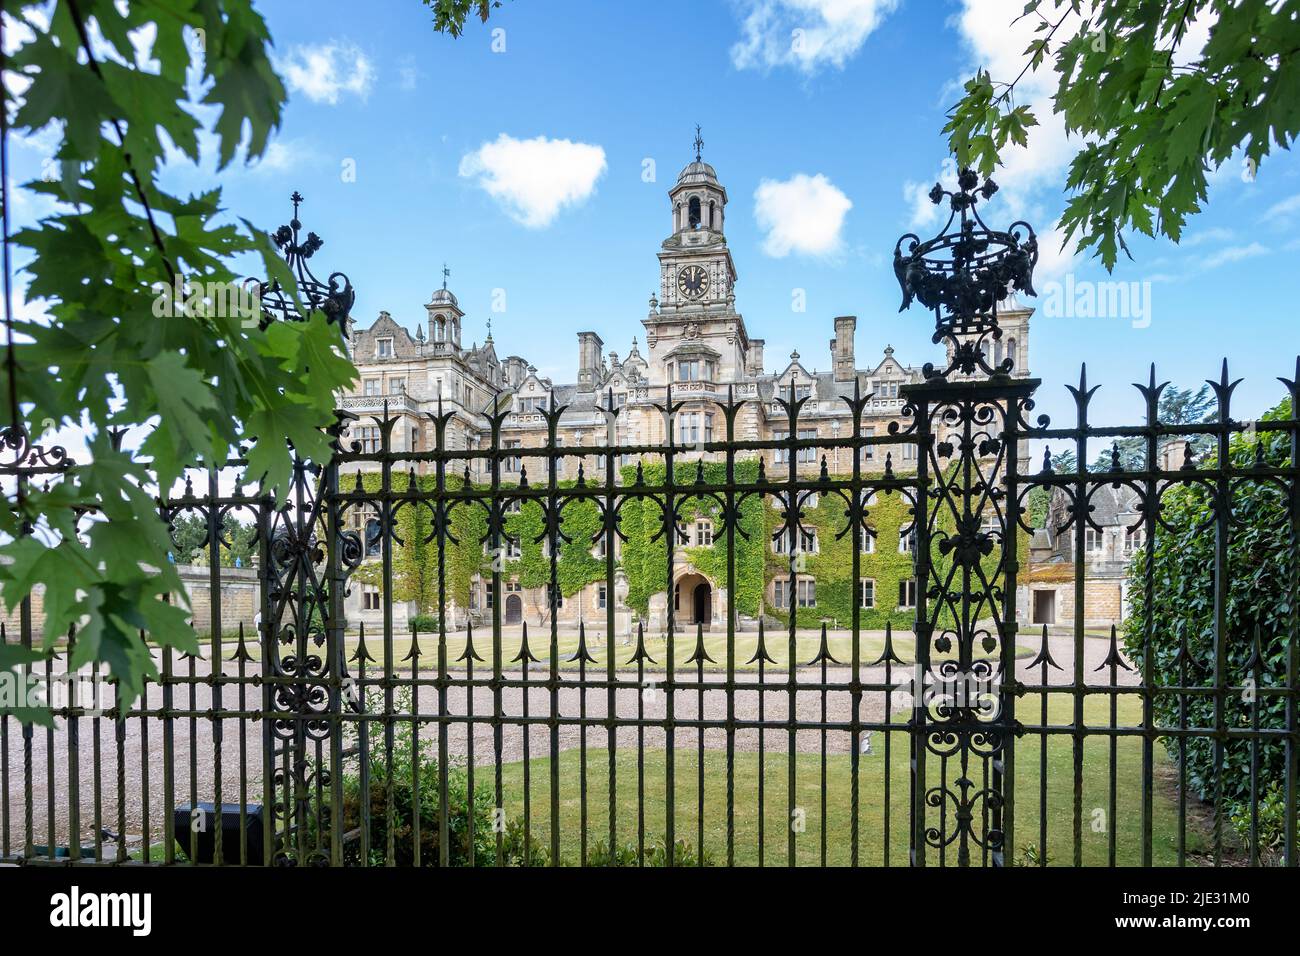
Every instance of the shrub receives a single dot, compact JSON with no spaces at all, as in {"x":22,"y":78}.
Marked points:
{"x":1261,"y":563}
{"x":460,"y":809}
{"x":522,"y":849}
{"x":1271,"y":831}
{"x":424,"y":623}
{"x":625,"y":854}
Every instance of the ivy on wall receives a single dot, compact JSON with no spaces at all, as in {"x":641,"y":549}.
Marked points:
{"x":832,"y":565}
{"x":643,"y":559}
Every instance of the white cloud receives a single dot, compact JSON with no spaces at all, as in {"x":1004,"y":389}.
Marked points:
{"x":1282,"y":211}
{"x":280,"y":156}
{"x":806,"y":34}
{"x":1213,"y":234}
{"x":803,"y":214}
{"x":995,"y":36}
{"x":924,"y":213}
{"x":1056,"y":256}
{"x":533,"y":179}
{"x":1234,"y":254}
{"x":326,"y":72}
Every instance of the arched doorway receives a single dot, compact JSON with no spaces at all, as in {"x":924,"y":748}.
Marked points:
{"x":693,"y":600}
{"x":514,"y":609}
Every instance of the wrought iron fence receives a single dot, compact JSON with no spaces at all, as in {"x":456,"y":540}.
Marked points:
{"x":978,"y":739}
{"x":998,"y":732}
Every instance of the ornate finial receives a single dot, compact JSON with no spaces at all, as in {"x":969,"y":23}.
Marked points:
{"x":965,"y":272}
{"x":446,"y":273}
{"x":334,"y":296}
{"x":489,"y":335}
{"x":699,"y":143}
{"x":889,"y":350}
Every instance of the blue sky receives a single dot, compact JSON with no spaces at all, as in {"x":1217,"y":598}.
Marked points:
{"x":385,"y":130}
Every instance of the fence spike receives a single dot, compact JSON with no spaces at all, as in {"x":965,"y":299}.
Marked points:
{"x":582,"y":654}
{"x":760,"y":652}
{"x":1113,"y":656}
{"x":362,"y":653}
{"x":524,"y":654}
{"x":640,"y":654}
{"x":469,"y":644}
{"x":824,"y":650}
{"x":1044,"y":657}
{"x":700,"y":654}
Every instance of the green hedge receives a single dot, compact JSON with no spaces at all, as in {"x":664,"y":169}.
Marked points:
{"x":1262,"y":568}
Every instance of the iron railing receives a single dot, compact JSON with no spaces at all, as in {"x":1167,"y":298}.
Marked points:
{"x":977,"y":740}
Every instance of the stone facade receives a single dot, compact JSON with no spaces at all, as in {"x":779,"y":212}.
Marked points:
{"x":1046,"y":593}
{"x":693,"y":340}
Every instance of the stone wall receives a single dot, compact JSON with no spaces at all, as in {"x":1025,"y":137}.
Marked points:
{"x":238,"y":601}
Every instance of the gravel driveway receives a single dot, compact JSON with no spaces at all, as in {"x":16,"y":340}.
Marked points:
{"x":144,"y":743}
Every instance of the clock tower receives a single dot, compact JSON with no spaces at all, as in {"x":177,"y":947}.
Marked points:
{"x":697,"y":277}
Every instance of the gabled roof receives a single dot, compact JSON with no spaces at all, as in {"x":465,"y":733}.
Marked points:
{"x":404,"y":347}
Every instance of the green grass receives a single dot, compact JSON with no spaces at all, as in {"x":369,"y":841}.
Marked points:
{"x":871,"y":646}
{"x":808,"y":795}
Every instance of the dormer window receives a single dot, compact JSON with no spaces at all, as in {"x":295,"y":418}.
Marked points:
{"x":384,"y":348}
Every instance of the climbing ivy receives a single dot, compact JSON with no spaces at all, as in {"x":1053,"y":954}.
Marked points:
{"x":644,"y":557}
{"x":887,"y":514}
{"x":645,"y":560}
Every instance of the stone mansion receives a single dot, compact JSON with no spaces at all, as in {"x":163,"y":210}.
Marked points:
{"x":693,"y":337}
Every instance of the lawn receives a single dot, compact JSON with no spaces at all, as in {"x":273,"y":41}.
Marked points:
{"x":836,"y":822}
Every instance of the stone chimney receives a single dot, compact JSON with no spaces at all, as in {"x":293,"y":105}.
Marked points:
{"x":1174,"y":455}
{"x":589,"y":361}
{"x":842,"y":347}
{"x":754,"y":359}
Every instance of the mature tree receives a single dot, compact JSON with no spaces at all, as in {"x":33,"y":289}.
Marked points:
{"x":190,"y":535}
{"x":118,"y":87}
{"x":1150,"y":116}
{"x":1178,"y":406}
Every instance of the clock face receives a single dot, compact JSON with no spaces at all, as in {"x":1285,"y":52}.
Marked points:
{"x":692,"y":282}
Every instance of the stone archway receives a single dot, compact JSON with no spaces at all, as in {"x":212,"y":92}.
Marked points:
{"x":693,"y":597}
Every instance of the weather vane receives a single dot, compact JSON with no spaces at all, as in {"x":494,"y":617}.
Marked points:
{"x":699,"y":143}
{"x":445,"y":274}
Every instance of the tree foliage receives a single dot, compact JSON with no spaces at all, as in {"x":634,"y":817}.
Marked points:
{"x":449,"y":16}
{"x":1180,"y":616}
{"x":120,"y":88}
{"x":1178,"y":406}
{"x":1152,"y":117}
